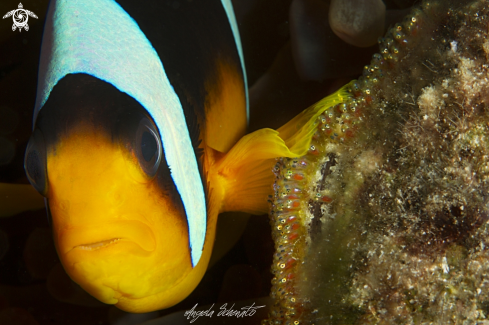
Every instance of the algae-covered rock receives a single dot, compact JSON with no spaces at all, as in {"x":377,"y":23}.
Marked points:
{"x":385,"y":220}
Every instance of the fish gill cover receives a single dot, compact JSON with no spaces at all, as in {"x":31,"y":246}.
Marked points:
{"x":385,"y":220}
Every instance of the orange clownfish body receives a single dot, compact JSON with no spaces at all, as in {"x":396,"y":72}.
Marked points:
{"x":139,"y":143}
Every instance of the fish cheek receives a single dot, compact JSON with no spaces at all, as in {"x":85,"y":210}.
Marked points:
{"x":122,"y":270}
{"x":171,"y":261}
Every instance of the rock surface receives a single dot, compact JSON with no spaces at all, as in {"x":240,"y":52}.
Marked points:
{"x":385,"y":221}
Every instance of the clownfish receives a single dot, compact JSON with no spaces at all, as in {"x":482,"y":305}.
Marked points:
{"x":139,"y":142}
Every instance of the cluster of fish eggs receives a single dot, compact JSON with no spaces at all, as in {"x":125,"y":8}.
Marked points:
{"x":296,"y":187}
{"x":292,"y":191}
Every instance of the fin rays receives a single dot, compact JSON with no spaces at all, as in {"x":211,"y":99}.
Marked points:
{"x":247,"y":167}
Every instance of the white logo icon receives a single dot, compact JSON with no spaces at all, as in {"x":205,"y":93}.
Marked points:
{"x":20,"y":17}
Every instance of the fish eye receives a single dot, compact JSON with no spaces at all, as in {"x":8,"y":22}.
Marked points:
{"x":35,"y":162}
{"x":148,"y":147}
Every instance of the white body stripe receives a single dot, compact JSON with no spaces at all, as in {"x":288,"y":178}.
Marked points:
{"x":228,"y":7}
{"x":99,"y":38}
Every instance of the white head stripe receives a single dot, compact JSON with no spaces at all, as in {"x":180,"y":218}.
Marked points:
{"x":99,"y":38}
{"x":228,"y":7}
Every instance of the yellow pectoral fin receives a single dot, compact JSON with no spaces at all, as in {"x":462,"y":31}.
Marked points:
{"x":246,"y":170}
{"x":298,"y":132}
{"x":17,"y":198}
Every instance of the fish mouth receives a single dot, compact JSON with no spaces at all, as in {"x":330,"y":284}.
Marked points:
{"x":102,"y":236}
{"x":98,"y":245}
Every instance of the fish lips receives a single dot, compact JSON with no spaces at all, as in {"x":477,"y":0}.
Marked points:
{"x":97,"y":238}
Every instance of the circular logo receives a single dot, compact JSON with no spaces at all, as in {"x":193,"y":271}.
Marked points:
{"x":20,"y":18}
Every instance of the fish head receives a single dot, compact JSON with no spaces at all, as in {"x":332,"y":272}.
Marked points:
{"x":118,"y":221}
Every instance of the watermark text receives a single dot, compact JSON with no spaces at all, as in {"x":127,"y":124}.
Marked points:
{"x":224,"y":311}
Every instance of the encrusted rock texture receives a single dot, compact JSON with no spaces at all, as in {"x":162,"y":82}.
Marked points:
{"x":385,"y":220}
